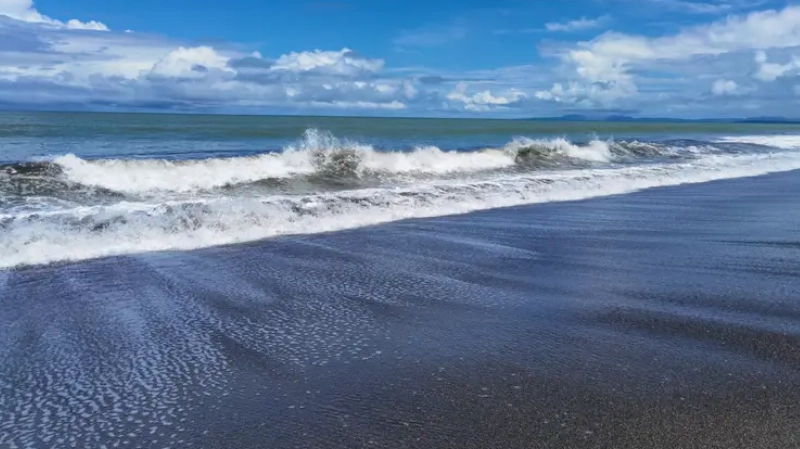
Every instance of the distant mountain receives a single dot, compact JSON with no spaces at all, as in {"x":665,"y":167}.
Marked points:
{"x":770,"y":120}
{"x":625,"y":118}
{"x":562,"y":118}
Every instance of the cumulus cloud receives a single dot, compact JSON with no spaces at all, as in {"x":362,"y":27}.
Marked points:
{"x":190,"y":62}
{"x":608,"y":55}
{"x":44,"y":62}
{"x":344,"y":62}
{"x":484,"y":100}
{"x":24,"y":10}
{"x":741,"y":62}
{"x":41,"y":63}
{"x":603,"y":70}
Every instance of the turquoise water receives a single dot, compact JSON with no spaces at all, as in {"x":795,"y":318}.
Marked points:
{"x":27,"y":135}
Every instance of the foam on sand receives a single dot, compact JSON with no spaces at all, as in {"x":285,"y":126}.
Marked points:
{"x":134,"y":227}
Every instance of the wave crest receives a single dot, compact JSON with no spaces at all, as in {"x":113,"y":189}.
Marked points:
{"x":321,"y":155}
{"x":318,"y":153}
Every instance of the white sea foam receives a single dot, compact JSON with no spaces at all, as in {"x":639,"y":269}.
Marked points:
{"x":124,"y":228}
{"x":595,"y":151}
{"x":312,"y":154}
{"x":785,"y":141}
{"x":138,"y":176}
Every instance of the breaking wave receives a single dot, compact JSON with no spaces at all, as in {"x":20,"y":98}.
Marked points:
{"x":132,"y":227}
{"x":69,"y":208}
{"x":318,"y":155}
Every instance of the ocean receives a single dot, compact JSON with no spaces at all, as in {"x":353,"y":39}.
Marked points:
{"x":298,"y":282}
{"x":82,"y":186}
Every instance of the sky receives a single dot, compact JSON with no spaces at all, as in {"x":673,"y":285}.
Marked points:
{"x":470,"y":58}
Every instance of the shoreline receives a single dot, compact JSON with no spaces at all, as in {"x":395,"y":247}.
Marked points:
{"x":226,"y":220}
{"x":660,"y":318}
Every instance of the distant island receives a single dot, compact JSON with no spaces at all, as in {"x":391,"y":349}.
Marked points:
{"x":625,"y":118}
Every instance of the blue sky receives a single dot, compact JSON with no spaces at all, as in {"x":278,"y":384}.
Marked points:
{"x":500,"y":58}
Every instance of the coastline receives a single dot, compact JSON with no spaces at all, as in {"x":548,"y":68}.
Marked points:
{"x":660,"y":318}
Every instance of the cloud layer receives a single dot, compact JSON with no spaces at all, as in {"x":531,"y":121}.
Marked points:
{"x":745,"y":64}
{"x":617,"y":68}
{"x":24,"y":11}
{"x":54,"y":63}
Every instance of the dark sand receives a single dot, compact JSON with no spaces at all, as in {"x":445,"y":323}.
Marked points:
{"x":664,"y":319}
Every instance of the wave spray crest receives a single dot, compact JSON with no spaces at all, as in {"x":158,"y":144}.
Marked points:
{"x":319,"y":153}
{"x":125,"y":227}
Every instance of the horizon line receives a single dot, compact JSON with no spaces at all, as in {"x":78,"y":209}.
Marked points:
{"x":573,"y":117}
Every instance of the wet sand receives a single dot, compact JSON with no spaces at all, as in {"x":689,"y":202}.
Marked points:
{"x":668,"y":318}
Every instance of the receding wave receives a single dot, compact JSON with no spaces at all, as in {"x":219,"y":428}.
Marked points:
{"x":131,"y":227}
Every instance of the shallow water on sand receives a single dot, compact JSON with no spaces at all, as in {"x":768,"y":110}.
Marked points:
{"x":660,"y":319}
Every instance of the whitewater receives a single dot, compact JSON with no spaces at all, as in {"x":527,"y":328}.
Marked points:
{"x":317,"y":153}
{"x":66,"y":208}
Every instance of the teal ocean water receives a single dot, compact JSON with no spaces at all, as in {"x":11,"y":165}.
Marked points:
{"x":78,"y":185}
{"x":24,"y":135}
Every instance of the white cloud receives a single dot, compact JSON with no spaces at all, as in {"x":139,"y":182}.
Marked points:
{"x":42,"y":52}
{"x":44,"y":61}
{"x":484,"y":100}
{"x":722,"y":87}
{"x":41,"y":64}
{"x":74,"y":24}
{"x":575,"y":25}
{"x":608,"y":60}
{"x":759,"y":30}
{"x":24,"y":10}
{"x":771,"y":71}
{"x":190,"y":62}
{"x":344,"y":62}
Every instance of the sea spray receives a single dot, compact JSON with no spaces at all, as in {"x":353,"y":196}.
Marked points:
{"x":129,"y":227}
{"x":320,"y":153}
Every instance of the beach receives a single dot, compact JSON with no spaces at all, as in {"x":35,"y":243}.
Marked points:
{"x":344,"y":224}
{"x":663,"y":318}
